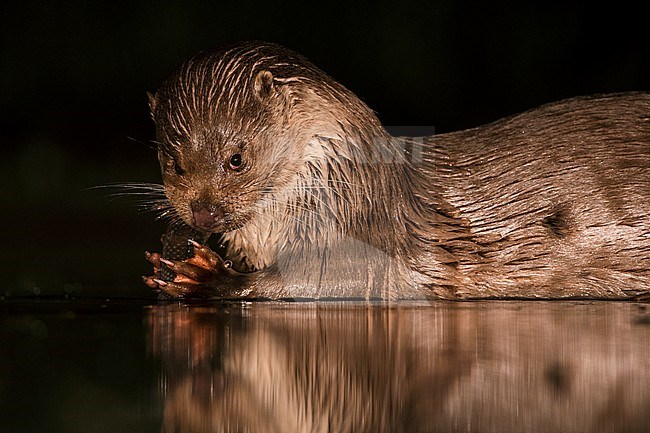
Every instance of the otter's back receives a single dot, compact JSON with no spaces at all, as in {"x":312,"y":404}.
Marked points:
{"x":557,"y":198}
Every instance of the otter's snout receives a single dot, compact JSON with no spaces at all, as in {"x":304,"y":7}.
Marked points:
{"x":207,"y":216}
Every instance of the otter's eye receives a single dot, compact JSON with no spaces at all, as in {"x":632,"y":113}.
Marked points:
{"x":178,"y":169}
{"x":235,"y":161}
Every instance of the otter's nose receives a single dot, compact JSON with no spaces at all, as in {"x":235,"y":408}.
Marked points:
{"x":207,"y":216}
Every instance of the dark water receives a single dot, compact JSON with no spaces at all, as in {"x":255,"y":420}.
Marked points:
{"x":92,"y":366}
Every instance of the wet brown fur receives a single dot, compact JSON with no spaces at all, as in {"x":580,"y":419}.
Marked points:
{"x":551,"y":203}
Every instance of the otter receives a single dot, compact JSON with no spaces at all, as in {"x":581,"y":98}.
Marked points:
{"x":310,"y":196}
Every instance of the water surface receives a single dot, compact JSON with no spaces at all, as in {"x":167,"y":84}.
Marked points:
{"x":113,"y":366}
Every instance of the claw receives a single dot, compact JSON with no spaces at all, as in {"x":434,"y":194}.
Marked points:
{"x":161,"y":283}
{"x":167,"y":262}
{"x":149,"y":281}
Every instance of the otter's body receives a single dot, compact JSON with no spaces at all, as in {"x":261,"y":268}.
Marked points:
{"x":313,"y":198}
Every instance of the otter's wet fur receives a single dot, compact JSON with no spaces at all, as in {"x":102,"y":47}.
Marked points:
{"x":551,"y":203}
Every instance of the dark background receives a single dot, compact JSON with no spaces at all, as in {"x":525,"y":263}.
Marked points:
{"x":73,"y":109}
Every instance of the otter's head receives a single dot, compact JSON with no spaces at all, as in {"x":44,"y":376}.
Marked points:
{"x":237,"y":125}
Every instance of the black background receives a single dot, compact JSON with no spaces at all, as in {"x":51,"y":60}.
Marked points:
{"x":73,"y":108}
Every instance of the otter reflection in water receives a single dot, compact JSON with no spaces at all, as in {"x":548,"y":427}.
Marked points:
{"x":491,"y":367}
{"x":312,"y":198}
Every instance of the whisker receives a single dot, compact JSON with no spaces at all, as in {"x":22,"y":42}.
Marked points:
{"x":147,"y":197}
{"x":145,"y":144}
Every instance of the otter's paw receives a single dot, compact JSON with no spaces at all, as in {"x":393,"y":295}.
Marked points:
{"x":196,"y":277}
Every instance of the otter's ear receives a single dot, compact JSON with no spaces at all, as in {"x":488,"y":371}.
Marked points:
{"x":264,"y":85}
{"x":152,"y":103}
